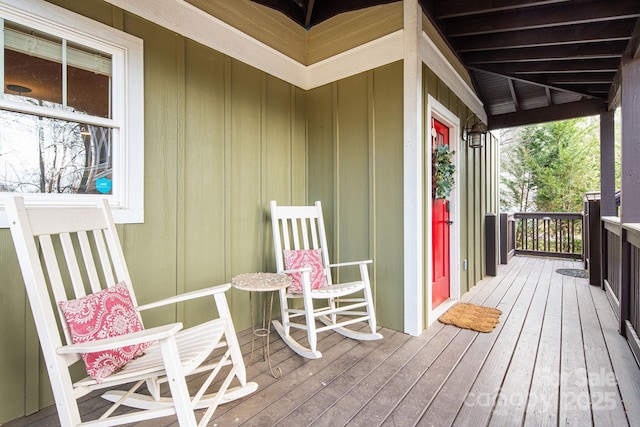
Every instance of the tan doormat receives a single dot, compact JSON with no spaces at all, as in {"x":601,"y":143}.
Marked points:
{"x":471,"y":316}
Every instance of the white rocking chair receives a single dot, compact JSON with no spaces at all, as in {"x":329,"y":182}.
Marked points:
{"x":297,"y":228}
{"x":65,"y":253}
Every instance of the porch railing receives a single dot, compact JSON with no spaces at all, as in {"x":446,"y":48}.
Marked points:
{"x":555,"y":234}
{"x":507,"y":237}
{"x":621,"y":275}
{"x":611,"y":245}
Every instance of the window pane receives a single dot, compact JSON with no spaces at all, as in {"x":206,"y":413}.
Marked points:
{"x":45,"y":155}
{"x":88,"y":80}
{"x":32,"y":66}
{"x":34,"y":72}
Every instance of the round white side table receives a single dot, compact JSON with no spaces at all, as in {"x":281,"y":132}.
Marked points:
{"x":269,"y":283}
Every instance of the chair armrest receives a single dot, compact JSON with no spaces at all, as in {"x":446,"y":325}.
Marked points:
{"x":153,"y":334}
{"x":186,"y":296}
{"x":346,"y":264}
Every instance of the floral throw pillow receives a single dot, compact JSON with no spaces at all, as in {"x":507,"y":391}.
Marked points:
{"x":312,"y":258}
{"x":105,"y":314}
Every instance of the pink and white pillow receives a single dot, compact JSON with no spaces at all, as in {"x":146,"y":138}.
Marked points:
{"x":294,"y":259}
{"x":105,"y":314}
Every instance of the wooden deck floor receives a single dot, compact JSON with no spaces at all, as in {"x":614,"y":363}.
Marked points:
{"x":555,"y":359}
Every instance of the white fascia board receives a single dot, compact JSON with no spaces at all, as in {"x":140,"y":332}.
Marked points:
{"x":191,"y":22}
{"x":436,"y":61}
{"x":374,"y":54}
{"x":195,"y":24}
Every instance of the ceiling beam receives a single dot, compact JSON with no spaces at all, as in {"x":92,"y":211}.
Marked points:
{"x":514,"y":95}
{"x":595,"y":11}
{"x":547,"y":92}
{"x":542,"y":82}
{"x":610,"y":65}
{"x":308,"y":13}
{"x":547,"y":53}
{"x":570,"y":110}
{"x":458,"y":8}
{"x":583,"y":79}
{"x":581,"y":33}
{"x":614,"y":97}
{"x":634,"y":43}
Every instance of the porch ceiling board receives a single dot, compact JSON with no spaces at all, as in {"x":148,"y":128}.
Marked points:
{"x":561,"y":58}
{"x":521,"y":54}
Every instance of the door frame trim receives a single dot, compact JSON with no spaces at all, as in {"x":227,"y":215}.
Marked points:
{"x":436,"y":110}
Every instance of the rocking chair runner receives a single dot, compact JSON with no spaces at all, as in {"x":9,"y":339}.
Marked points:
{"x":80,"y":247}
{"x":298,"y":232}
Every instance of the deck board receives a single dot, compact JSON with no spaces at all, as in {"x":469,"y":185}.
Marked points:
{"x":483,"y":395}
{"x":574,"y":392}
{"x":513,"y":398}
{"x":555,"y":358}
{"x":606,"y":406}
{"x":622,"y":360}
{"x":544,"y":388}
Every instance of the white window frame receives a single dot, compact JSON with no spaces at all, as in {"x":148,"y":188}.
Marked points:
{"x":127,"y":122}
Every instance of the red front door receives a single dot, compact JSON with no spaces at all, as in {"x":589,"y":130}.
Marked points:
{"x":440,"y":290}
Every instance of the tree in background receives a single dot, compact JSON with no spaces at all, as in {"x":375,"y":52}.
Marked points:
{"x":517,"y":186}
{"x":548,"y":167}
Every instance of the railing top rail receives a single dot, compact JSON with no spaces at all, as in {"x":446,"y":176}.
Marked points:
{"x":611,"y":220}
{"x":633,"y":228}
{"x":549,"y":215}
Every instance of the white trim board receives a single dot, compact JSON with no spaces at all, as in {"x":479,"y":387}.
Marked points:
{"x":412,"y":173}
{"x":193,"y":23}
{"x":436,"y":61}
{"x":437,"y":110}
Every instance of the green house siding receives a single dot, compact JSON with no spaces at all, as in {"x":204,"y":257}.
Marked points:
{"x":221,"y":140}
{"x":355,"y":169}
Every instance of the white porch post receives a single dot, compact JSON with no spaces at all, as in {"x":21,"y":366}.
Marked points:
{"x":413,"y":241}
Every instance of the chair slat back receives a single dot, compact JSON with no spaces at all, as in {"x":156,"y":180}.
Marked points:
{"x":296,"y":228}
{"x":64,"y":253}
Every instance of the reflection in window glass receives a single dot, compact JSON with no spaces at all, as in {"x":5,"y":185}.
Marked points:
{"x":36,"y":71}
{"x":32,"y":65}
{"x":46,"y":155}
{"x":88,"y":80}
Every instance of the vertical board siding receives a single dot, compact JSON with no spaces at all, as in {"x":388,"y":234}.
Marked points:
{"x":154,"y":242}
{"x":204,"y":178}
{"x":221,"y":140}
{"x":351,"y":225}
{"x":14,"y":336}
{"x":387,"y":194}
{"x":321,"y":137}
{"x":243,"y":185}
{"x":358,"y":176}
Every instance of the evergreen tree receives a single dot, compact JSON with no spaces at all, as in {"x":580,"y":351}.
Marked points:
{"x":548,"y":167}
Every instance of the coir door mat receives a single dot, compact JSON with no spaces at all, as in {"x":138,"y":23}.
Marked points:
{"x":471,"y":316}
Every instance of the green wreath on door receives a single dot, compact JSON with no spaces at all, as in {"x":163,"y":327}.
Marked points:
{"x":443,"y":172}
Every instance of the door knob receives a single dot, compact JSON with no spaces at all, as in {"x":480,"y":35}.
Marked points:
{"x":449,"y":222}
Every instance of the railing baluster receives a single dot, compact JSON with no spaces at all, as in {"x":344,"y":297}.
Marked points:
{"x":549,"y":234}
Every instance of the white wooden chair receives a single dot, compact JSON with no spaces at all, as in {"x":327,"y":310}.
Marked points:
{"x":336,"y":305}
{"x":66,"y":253}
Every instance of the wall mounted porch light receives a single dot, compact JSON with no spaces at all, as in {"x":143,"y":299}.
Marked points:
{"x":475,"y":135}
